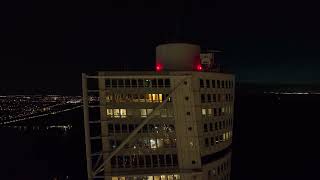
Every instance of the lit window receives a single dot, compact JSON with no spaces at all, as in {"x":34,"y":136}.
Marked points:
{"x":143,"y":112}
{"x":148,"y":97}
{"x":155,"y":97}
{"x":160,"y":97}
{"x":109,"y":112}
{"x":153,"y":144}
{"x":159,"y":143}
{"x":116,"y":113}
{"x":163,"y":177}
{"x":209,"y":111}
{"x":150,"y":177}
{"x":109,"y":97}
{"x":123,"y":113}
{"x":203,"y":111}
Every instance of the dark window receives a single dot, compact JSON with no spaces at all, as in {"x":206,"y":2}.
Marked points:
{"x":168,"y":160}
{"x":188,"y":113}
{"x":218,"y":83}
{"x":215,"y":112}
{"x":108,"y":82}
{"x":209,"y":97}
{"x":201,"y":83}
{"x":222,"y":84}
{"x":140,"y":83}
{"x":174,"y":159}
{"x":220,"y":125}
{"x":131,"y":128}
{"x":145,"y":129}
{"x":190,"y":128}
{"x":212,"y":141}
{"x":207,"y":142}
{"x":117,"y":128}
{"x":151,"y":128}
{"x":112,"y":143}
{"x":124,"y":128}
{"x":134,"y":161}
{"x":211,"y":127}
{"x":203,"y":98}
{"x":193,"y":162}
{"x":214,"y":98}
{"x":208,"y":83}
{"x":113,"y":162}
{"x":167,"y":83}
{"x":134,"y":83}
{"x":120,"y":83}
{"x":216,"y":126}
{"x":205,"y":127}
{"x":114,"y":83}
{"x":213,"y":82}
{"x":120,"y":161}
{"x":224,"y":124}
{"x":126,"y":160}
{"x":155,"y":160}
{"x":171,"y":127}
{"x":187,"y":98}
{"x":148,"y":161}
{"x":160,"y":83}
{"x":127,"y":83}
{"x":220,"y":112}
{"x":161,"y":160}
{"x":141,"y":161}
{"x":154,"y":83}
{"x":110,"y":128}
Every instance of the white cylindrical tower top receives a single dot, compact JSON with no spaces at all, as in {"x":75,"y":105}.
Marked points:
{"x":177,"y":57}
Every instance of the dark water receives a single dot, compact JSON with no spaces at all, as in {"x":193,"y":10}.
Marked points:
{"x":275,"y":137}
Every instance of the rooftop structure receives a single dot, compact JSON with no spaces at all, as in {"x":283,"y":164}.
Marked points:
{"x":171,"y":123}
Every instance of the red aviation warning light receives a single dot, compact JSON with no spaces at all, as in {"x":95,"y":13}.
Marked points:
{"x":159,"y":67}
{"x":199,"y":67}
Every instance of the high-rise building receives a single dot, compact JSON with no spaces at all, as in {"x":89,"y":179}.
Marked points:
{"x":172,"y":123}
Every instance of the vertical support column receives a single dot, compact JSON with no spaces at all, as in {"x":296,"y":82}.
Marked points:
{"x":186,"y":130}
{"x":86,"y":125}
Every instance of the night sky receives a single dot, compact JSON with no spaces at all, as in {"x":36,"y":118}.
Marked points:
{"x":47,"y":44}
